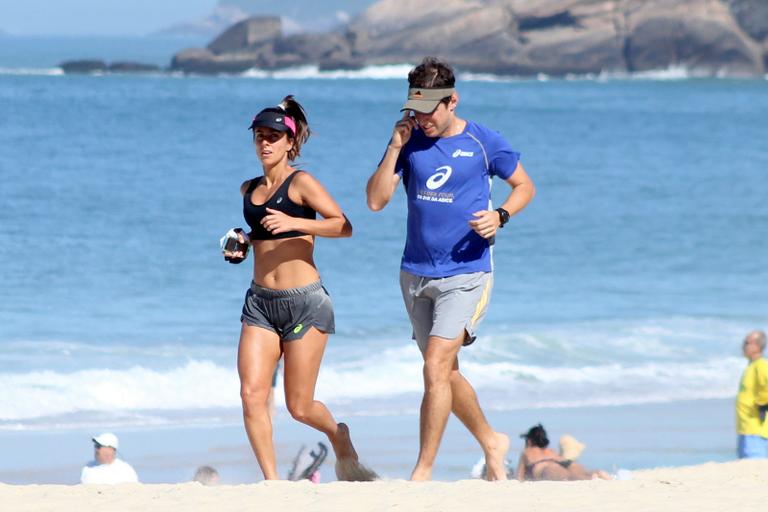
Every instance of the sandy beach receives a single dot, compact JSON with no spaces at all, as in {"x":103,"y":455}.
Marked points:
{"x":633,"y":437}
{"x":739,"y":485}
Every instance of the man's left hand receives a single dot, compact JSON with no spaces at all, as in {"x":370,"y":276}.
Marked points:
{"x":486,"y":223}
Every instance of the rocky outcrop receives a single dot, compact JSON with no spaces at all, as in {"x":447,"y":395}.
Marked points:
{"x":99,"y":66}
{"x":752,"y":17}
{"x":703,"y":36}
{"x":710,"y":37}
{"x":567,"y":37}
{"x":259,"y":43}
{"x":83,"y":66}
{"x":246,"y":34}
{"x":132,"y":67}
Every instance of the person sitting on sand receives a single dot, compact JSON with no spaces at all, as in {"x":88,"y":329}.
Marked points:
{"x":106,"y":468}
{"x":207,"y":475}
{"x":538,"y":462}
{"x":570,"y":449}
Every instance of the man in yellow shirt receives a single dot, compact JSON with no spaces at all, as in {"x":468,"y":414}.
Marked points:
{"x":752,"y":400}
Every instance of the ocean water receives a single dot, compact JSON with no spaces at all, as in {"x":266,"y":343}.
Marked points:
{"x":631,"y":278}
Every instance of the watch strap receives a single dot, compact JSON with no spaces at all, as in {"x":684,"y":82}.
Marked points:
{"x":503,"y":216}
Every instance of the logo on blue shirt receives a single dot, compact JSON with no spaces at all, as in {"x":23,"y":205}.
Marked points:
{"x":438,"y":179}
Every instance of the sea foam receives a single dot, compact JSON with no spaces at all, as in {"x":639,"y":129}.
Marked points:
{"x":393,"y":71}
{"x":400,"y":71}
{"x":32,"y":71}
{"x":392,"y":379}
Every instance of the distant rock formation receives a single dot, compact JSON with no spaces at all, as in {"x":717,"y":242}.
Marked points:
{"x":83,"y":66}
{"x":132,"y":67}
{"x":247,"y":34}
{"x":752,"y":17}
{"x":259,"y":43}
{"x":99,"y":66}
{"x":519,"y":37}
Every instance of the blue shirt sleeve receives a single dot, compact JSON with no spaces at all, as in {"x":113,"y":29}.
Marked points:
{"x":502,"y":159}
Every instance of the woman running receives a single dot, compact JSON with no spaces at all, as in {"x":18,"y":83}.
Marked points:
{"x":287,"y":310}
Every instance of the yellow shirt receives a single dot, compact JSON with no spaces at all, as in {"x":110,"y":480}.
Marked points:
{"x":753,"y":392}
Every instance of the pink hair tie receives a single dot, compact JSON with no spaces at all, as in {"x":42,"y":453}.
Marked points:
{"x":290,"y":124}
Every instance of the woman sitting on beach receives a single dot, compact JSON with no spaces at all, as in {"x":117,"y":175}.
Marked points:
{"x":287,"y":310}
{"x":538,"y":462}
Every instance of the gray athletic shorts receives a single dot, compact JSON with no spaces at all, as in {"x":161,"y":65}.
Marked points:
{"x":289,"y":313}
{"x":444,"y":306}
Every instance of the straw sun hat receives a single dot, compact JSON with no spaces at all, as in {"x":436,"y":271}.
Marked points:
{"x":570,"y":448}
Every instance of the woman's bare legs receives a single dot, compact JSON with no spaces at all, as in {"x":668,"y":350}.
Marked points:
{"x":551,"y":471}
{"x":302,"y":359}
{"x":579,"y":472}
{"x":257,"y":357}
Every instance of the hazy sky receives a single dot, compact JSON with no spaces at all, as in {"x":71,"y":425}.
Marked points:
{"x":98,"y":17}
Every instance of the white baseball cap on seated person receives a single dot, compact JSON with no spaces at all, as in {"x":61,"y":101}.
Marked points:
{"x":106,"y":439}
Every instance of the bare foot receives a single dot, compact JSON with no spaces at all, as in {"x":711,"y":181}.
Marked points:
{"x":348,"y":467}
{"x":342,"y":443}
{"x":421,"y":475}
{"x":350,"y":470}
{"x":494,"y":458}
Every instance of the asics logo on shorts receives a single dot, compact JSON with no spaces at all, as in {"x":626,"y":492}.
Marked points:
{"x":438,"y":179}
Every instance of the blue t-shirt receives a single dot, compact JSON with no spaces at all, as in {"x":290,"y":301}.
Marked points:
{"x":447,"y":179}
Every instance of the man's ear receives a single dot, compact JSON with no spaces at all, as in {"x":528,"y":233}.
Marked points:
{"x":454,"y":101}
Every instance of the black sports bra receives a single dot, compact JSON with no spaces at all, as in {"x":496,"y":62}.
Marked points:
{"x":254,"y":213}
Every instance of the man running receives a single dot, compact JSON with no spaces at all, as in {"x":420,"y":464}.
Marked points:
{"x":446,"y":164}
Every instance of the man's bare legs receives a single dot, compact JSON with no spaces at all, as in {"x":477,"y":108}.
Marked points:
{"x":446,"y":390}
{"x":466,"y":407}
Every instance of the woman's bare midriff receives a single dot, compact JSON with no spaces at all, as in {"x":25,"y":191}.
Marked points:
{"x":284,"y":263}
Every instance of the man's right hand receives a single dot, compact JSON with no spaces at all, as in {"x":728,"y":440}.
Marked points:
{"x":402,"y":132}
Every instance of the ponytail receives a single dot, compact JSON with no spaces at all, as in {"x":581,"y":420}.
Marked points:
{"x":295,"y":111}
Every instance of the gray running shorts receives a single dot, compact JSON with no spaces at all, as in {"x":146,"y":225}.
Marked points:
{"x":289,"y":313}
{"x":444,"y":306}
